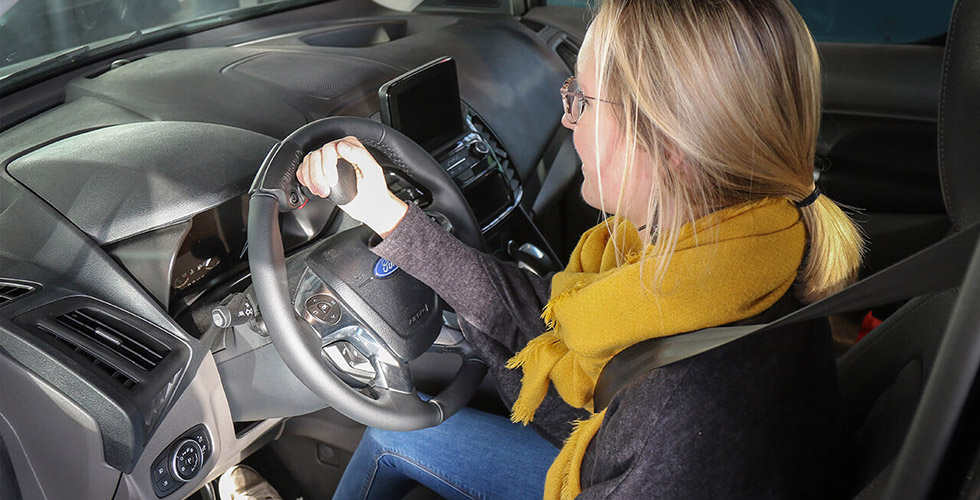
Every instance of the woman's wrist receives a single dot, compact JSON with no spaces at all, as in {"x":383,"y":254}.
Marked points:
{"x":389,"y":216}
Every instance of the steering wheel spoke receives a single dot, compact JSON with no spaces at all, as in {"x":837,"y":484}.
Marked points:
{"x":451,"y":340}
{"x":357,"y":353}
{"x":350,"y":348}
{"x":350,"y":323}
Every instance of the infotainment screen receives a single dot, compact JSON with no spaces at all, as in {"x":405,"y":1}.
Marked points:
{"x":424,"y":103}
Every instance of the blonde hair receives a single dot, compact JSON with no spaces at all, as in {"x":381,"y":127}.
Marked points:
{"x":732,"y":89}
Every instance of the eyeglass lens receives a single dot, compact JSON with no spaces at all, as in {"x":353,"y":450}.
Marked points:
{"x":572,"y":103}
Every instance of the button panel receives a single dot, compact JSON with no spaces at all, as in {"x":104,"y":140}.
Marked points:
{"x":185,"y":462}
{"x":324,"y":308}
{"x":181,"y":461}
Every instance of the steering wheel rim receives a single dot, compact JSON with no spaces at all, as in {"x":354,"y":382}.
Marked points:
{"x":276,"y":189}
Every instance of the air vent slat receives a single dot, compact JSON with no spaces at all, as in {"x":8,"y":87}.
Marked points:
{"x":568,"y":53}
{"x":10,"y":291}
{"x":124,"y":380}
{"x":498,"y":150}
{"x":110,"y":334}
{"x":115,"y":336}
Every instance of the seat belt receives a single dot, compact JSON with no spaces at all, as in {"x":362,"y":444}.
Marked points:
{"x":939,"y":267}
{"x":561,"y":170}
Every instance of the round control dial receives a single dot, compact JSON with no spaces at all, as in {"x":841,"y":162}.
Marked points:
{"x":186,"y":459}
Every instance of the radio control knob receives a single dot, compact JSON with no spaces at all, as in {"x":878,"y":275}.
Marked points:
{"x":480,"y":148}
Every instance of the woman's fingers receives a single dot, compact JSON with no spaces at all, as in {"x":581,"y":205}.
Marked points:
{"x":329,"y":159}
{"x":318,"y":170}
{"x":353,"y":151}
{"x":373,"y":205}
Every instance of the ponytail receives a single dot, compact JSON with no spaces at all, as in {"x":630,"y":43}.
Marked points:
{"x":834,"y":251}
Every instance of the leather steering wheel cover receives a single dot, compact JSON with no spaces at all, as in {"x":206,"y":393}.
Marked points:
{"x":292,"y":338}
{"x":276,"y":174}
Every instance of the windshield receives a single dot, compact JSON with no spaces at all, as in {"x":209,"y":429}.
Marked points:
{"x":864,"y":21}
{"x":38,"y":33}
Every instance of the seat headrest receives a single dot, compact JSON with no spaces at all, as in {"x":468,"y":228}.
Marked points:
{"x":959,"y":116}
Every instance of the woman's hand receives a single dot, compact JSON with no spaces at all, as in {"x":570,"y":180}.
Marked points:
{"x":373,"y":205}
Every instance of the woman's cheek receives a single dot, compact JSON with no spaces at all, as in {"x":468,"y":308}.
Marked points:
{"x":589,"y":189}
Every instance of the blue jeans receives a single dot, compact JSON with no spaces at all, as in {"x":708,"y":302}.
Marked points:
{"x":472,"y":455}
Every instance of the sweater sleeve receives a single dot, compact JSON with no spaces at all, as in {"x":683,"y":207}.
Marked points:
{"x":499,"y":305}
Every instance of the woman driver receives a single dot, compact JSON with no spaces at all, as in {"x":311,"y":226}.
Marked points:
{"x":696,"y":121}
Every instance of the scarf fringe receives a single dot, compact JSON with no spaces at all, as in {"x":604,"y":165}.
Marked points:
{"x":543,"y":341}
{"x":537,"y":358}
{"x":560,"y":482}
{"x":549,"y":314}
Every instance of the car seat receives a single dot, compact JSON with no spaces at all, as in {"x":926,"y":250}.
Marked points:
{"x":882,"y":377}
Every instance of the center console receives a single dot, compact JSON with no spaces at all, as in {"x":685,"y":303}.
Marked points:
{"x":424,"y":104}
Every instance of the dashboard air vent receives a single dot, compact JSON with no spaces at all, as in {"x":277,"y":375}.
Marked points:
{"x":513,"y":178}
{"x":568,"y":53}
{"x":533,"y":25}
{"x":127,"y":342}
{"x":10,"y":291}
{"x":124,"y":380}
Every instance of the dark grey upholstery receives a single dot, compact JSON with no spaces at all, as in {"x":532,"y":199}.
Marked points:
{"x":881,"y":380}
{"x":883,"y":376}
{"x":959,"y":107}
{"x":8,"y":483}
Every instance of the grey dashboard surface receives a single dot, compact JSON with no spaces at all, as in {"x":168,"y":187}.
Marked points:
{"x":98,"y":156}
{"x":116,"y":182}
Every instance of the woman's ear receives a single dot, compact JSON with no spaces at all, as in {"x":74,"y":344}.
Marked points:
{"x":677,"y":160}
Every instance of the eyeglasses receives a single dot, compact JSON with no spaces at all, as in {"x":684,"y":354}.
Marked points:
{"x":573,"y":100}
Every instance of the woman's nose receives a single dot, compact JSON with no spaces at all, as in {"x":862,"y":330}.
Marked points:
{"x":567,"y":122}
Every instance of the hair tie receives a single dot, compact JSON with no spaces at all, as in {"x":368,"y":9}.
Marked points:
{"x":812,"y":197}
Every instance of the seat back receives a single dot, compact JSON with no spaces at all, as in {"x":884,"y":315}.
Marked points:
{"x":881,"y":380}
{"x":882,"y":377}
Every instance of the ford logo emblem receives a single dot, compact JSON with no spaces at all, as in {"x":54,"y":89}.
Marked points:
{"x":384,"y":268}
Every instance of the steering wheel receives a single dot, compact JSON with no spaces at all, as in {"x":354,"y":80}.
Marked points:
{"x":345,"y":322}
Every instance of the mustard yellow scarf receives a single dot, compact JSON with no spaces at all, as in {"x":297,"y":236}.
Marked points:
{"x":730,"y":265}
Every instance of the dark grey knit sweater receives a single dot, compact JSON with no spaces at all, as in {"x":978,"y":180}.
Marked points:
{"x":754,"y":419}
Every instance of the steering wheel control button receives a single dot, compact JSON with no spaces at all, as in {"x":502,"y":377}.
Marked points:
{"x":324,"y":308}
{"x":384,"y":268}
{"x":350,"y":361}
{"x":186,"y":460}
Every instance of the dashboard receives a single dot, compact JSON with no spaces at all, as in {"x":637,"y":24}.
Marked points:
{"x":123,"y":205}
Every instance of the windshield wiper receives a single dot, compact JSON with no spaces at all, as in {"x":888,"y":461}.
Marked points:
{"x":56,"y":59}
{"x":66,"y":57}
